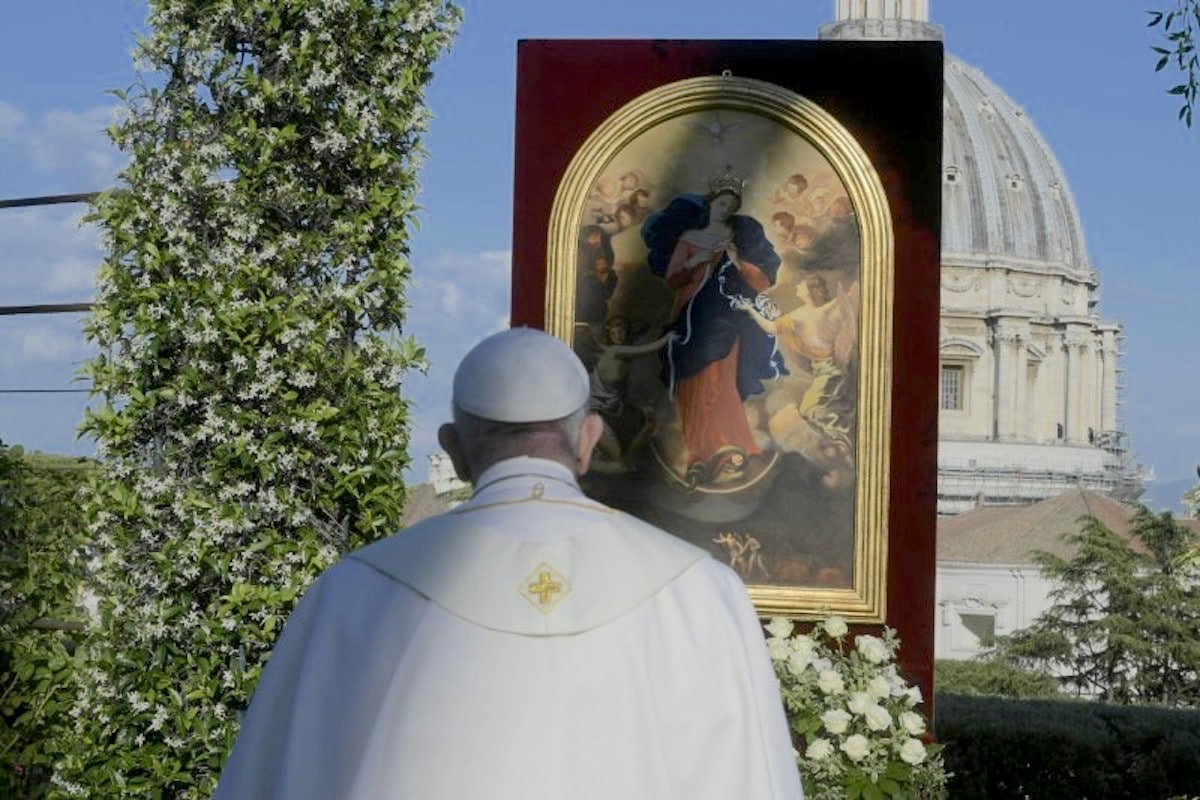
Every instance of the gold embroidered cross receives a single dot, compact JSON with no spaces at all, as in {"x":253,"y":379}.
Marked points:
{"x":545,"y":587}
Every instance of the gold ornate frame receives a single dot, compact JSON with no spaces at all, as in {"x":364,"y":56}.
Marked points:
{"x":865,"y":600}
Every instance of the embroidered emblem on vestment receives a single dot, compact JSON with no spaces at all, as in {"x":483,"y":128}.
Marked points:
{"x":545,"y":587}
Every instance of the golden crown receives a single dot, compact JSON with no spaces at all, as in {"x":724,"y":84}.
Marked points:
{"x":727,"y":182}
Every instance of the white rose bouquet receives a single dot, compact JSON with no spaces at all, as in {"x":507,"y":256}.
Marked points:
{"x":854,"y":716}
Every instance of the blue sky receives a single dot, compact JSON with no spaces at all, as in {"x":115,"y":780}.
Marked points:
{"x":1082,"y":70}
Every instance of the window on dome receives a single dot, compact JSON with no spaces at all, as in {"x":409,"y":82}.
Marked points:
{"x":952,"y":387}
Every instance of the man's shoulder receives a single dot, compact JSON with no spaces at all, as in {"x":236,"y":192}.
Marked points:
{"x":664,"y":538}
{"x":475,"y":567}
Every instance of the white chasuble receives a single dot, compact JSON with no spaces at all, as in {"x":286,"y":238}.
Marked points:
{"x":528,"y":645}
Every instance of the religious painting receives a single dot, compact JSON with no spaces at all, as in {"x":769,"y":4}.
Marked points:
{"x":720,"y":258}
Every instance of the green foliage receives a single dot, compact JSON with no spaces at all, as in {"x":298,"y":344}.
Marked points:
{"x":249,"y":326}
{"x":1191,"y":502}
{"x":1179,"y":30}
{"x":1125,"y":621}
{"x":459,"y":495}
{"x":1047,"y":750}
{"x":992,"y":678}
{"x":41,"y":526}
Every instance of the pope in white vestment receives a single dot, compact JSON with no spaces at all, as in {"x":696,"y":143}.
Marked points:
{"x":530,"y":644}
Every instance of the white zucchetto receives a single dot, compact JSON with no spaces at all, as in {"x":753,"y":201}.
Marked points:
{"x":520,"y":375}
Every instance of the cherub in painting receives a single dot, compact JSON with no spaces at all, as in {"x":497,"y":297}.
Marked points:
{"x":821,"y":332}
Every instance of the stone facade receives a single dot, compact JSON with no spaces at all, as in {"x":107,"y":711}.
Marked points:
{"x":975,"y":601}
{"x":988,"y":582}
{"x":1030,"y":371}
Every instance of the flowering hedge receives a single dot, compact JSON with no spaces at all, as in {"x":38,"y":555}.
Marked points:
{"x":248,"y":319}
{"x":40,"y":527}
{"x":855,"y":717}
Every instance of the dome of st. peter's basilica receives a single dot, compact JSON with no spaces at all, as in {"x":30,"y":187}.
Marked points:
{"x":1029,"y":371}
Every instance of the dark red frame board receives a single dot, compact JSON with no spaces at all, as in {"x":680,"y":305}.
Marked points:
{"x":888,"y":95}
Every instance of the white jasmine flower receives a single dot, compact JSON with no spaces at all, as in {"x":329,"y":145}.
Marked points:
{"x":160,"y":717}
{"x":830,"y":682}
{"x":857,"y":747}
{"x":835,"y":721}
{"x":819,"y":750}
{"x":912,"y":751}
{"x":913,"y":723}
{"x":871,"y":648}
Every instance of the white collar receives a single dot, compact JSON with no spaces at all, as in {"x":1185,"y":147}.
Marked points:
{"x":525,"y":466}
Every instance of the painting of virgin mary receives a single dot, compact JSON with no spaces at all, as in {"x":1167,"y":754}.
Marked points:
{"x":731,"y":385}
{"x":714,"y":260}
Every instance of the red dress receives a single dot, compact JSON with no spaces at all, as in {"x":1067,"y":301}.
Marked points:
{"x":710,"y":408}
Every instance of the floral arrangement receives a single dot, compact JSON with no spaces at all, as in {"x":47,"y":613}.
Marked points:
{"x":855,"y":718}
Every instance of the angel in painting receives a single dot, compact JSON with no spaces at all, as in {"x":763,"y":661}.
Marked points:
{"x":822,"y":332}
